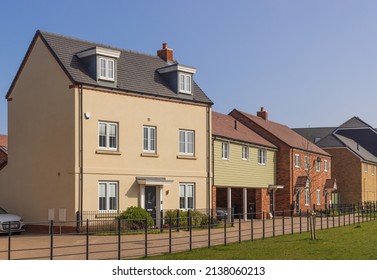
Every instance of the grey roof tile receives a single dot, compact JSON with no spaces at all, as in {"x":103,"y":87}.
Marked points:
{"x":136,"y":72}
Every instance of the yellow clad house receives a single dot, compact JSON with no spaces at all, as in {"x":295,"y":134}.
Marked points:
{"x":244,"y":167}
{"x":94,"y":128}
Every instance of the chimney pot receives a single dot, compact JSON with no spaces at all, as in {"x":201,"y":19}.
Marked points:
{"x":262,"y":114}
{"x":165,"y":53}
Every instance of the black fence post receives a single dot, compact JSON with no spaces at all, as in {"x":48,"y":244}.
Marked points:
{"x":209,"y":229}
{"x":190,"y":227}
{"x":349,"y":215}
{"x":161,"y":220}
{"x":358,"y":212}
{"x":300,"y":221}
{"x":178,"y":222}
{"x":292,"y":221}
{"x":264,"y":226}
{"x":307,"y":220}
{"x":9,"y":239}
{"x":273,"y":223}
{"x":225,"y":231}
{"x":239,"y":228}
{"x":344,"y":216}
{"x":87,"y":240}
{"x":170,"y":241}
{"x":339,"y":218}
{"x":252,"y":227}
{"x":146,"y":237}
{"x":119,"y":238}
{"x":283,"y":222}
{"x":51,"y":239}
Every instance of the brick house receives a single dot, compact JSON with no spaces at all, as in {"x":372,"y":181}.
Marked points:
{"x":354,"y":158}
{"x":244,"y":169}
{"x":302,"y":168}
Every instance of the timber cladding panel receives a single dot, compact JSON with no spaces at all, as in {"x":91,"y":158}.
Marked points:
{"x":237,"y":172}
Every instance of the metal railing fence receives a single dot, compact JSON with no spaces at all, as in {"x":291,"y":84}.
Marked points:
{"x":118,"y":239}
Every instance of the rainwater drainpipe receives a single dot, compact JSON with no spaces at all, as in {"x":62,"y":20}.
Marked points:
{"x":81,"y":154}
{"x":208,"y":164}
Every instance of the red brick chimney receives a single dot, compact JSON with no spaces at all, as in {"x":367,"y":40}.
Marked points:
{"x":262,"y":114}
{"x":166,"y":53}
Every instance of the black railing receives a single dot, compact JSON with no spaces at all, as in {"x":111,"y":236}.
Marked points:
{"x":119,"y":239}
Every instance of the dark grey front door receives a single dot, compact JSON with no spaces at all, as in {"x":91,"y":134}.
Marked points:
{"x":150,"y":200}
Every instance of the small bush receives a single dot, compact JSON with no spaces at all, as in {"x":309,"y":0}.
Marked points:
{"x":197,"y":218}
{"x":135,"y":218}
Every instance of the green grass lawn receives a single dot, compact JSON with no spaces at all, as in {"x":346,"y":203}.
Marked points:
{"x":354,"y":242}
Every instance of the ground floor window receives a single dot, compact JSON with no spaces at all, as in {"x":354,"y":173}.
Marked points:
{"x":108,"y":196}
{"x":318,"y":197}
{"x":186,"y":196}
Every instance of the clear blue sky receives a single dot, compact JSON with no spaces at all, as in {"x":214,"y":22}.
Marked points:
{"x":309,"y":63}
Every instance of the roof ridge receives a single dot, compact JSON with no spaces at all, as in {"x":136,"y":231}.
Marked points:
{"x":42,"y":33}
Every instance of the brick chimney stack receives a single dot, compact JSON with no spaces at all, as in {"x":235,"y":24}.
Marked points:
{"x":262,"y":114}
{"x":165,"y":53}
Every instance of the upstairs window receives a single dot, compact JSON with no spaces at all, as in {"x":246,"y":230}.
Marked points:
{"x":225,"y":150}
{"x":297,"y":160}
{"x":325,"y":165}
{"x":262,"y":157}
{"x":186,"y":142}
{"x":245,"y":153}
{"x":185,"y":83}
{"x":149,"y":139}
{"x":306,"y":162}
{"x":106,"y":69}
{"x":373,"y":170}
{"x":317,"y":165}
{"x":108,"y":135}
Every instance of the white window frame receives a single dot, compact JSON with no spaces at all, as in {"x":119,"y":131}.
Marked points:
{"x":297,"y":160}
{"x":307,"y":197}
{"x":149,"y":139}
{"x":318,"y":197}
{"x":108,"y":193}
{"x":106,"y":71}
{"x":186,"y":191}
{"x":373,"y":168}
{"x":225,"y":149}
{"x":325,"y":165}
{"x":107,"y":135}
{"x":317,"y":166}
{"x":245,"y":152}
{"x":185,"y":83}
{"x":306,"y":162}
{"x":365,"y":168}
{"x":186,"y":147}
{"x":262,"y":156}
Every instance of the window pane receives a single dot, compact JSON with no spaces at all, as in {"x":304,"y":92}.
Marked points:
{"x":182,"y":140}
{"x":103,"y":68}
{"x":145,"y":138}
{"x":102,"y":135}
{"x":152,"y":138}
{"x":190,"y":142}
{"x":188,"y":83}
{"x":112,"y":136}
{"x":110,"y":72}
{"x":182,"y":82}
{"x":102,"y":196}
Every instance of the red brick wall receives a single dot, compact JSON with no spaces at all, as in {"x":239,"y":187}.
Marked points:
{"x":346,"y":168}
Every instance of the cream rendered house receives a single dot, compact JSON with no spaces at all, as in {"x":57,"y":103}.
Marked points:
{"x":95,"y":129}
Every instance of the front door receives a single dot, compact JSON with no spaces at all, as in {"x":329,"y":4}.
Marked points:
{"x":150,"y":200}
{"x":298,"y":196}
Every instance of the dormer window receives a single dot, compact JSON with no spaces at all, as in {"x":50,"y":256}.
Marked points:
{"x":185,"y":83}
{"x":179,"y":78}
{"x":106,"y":68}
{"x":101,"y":63}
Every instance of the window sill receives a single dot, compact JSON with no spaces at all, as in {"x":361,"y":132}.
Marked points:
{"x":153,"y":155}
{"x":108,"y":152}
{"x":186,"y":157}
